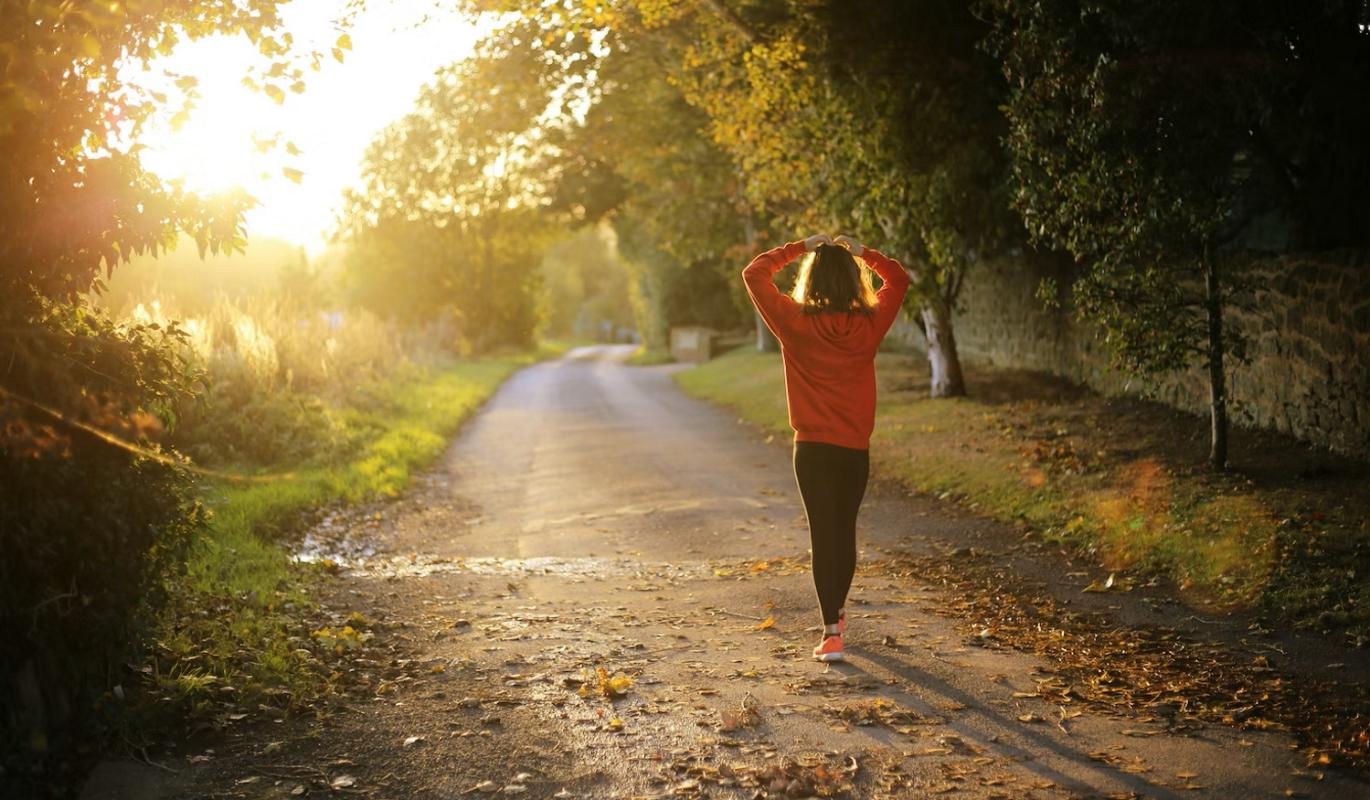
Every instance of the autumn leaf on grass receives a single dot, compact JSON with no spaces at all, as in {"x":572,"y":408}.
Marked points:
{"x":768,"y":622}
{"x":348,"y":638}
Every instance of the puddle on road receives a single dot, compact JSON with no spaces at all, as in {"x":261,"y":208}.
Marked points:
{"x":420,"y":565}
{"x":344,"y":536}
{"x":349,"y":540}
{"x":353,"y":548}
{"x":345,"y":552}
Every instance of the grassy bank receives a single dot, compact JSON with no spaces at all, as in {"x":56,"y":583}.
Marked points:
{"x":241,"y":635}
{"x":1120,"y":480}
{"x":646,"y":357}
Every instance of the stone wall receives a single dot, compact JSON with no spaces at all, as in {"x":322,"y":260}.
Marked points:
{"x":1308,"y":343}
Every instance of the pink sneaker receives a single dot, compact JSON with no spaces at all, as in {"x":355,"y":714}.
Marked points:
{"x":830,"y":649}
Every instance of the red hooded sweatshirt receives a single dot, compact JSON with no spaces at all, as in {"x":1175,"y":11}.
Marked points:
{"x":829,"y":357}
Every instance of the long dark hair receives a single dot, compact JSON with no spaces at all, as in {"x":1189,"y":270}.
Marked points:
{"x":830,"y":280}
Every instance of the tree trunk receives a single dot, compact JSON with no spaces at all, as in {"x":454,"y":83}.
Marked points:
{"x":765,"y":340}
{"x":942,"y":356}
{"x":1217,"y":383}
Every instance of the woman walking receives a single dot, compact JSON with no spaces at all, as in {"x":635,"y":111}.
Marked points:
{"x":829,"y":329}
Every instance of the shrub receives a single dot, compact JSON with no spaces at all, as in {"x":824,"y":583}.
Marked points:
{"x":89,"y":528}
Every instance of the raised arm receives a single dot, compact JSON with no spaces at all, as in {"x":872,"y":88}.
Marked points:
{"x":777,"y":310}
{"x":894,"y":278}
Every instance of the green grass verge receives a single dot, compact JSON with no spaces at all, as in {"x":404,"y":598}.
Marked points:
{"x":645,"y":357}
{"x":1107,"y":478}
{"x":240,"y":615}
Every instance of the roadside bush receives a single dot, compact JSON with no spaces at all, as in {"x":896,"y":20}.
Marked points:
{"x":278,"y":374}
{"x":89,"y":530}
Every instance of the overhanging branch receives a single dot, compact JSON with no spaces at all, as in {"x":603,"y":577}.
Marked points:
{"x":732,"y":20}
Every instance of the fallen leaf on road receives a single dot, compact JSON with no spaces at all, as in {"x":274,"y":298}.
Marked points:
{"x":342,"y":782}
{"x":768,"y":622}
{"x":1095,"y":586}
{"x":744,"y":717}
{"x":606,"y":685}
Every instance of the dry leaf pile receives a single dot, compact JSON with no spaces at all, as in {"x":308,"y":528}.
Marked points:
{"x":1153,"y":673}
{"x":803,"y":776}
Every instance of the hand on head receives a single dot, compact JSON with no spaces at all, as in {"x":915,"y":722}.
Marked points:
{"x":851,"y":244}
{"x":817,"y":239}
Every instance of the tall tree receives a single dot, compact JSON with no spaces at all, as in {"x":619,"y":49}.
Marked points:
{"x":1148,"y":140}
{"x":75,"y":201}
{"x":631,"y":149}
{"x":448,"y":220}
{"x":876,"y":117}
{"x":879,"y":118}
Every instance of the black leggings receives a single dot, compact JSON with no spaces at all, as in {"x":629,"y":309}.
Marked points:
{"x":832,"y":481}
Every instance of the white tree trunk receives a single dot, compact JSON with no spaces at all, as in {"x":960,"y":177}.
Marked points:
{"x":942,"y":356}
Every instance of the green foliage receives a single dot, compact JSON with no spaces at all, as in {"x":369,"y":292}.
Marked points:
{"x":683,"y":227}
{"x":1146,"y":155}
{"x":73,"y":195}
{"x":624,"y":144}
{"x":90,"y":527}
{"x":726,"y":125}
{"x":89,"y":537}
{"x":1148,"y":138}
{"x":891,"y":145}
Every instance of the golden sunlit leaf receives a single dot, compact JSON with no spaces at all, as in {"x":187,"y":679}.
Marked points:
{"x":274,"y":92}
{"x":344,"y":42}
{"x":768,"y":622}
{"x":292,"y":173}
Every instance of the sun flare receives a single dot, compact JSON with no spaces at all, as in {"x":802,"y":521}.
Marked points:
{"x":216,"y":148}
{"x":297,"y":155}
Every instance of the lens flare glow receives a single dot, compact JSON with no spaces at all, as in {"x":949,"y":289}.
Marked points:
{"x":319,"y":135}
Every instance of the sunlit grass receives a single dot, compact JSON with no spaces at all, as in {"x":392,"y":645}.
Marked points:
{"x":1219,"y":538}
{"x":647,"y":357}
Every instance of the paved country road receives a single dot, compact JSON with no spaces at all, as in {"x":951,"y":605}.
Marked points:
{"x":593,"y":517}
